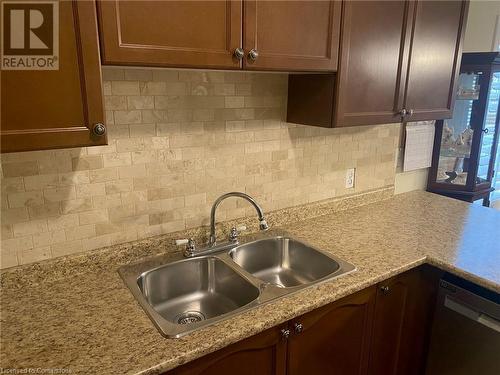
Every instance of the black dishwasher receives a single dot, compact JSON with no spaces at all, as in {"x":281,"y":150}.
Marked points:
{"x":466,"y":330}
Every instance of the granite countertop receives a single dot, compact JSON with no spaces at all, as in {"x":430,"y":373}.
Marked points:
{"x":77,"y":314}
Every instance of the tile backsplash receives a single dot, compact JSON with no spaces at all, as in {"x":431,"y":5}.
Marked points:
{"x":177,"y":140}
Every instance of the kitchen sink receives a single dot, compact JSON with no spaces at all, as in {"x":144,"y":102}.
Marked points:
{"x":283,"y":262}
{"x":194,"y":290}
{"x":183,"y":295}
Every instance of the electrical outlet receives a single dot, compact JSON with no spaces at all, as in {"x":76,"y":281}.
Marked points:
{"x":349,"y":178}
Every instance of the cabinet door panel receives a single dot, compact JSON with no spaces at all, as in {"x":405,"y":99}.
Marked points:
{"x":292,"y":35}
{"x":435,"y":58}
{"x":200,"y":34}
{"x":372,"y":58}
{"x":43,"y":109}
{"x":335,"y":339}
{"x":402,"y":322}
{"x":263,"y":354}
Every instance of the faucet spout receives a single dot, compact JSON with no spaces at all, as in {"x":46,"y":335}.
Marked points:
{"x":262,"y":221}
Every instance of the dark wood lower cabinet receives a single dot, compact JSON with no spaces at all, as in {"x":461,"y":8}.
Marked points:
{"x":383,"y":329}
{"x":402,"y":322}
{"x":263,"y":354}
{"x":334,"y":339}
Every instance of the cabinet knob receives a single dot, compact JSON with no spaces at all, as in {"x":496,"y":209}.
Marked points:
{"x":298,"y":327}
{"x":285,"y":333}
{"x":253,"y":54}
{"x":99,"y":129}
{"x":384,"y":289}
{"x":239,"y":53}
{"x":410,"y":112}
{"x":403,"y":113}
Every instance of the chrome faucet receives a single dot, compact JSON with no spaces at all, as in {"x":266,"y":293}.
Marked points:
{"x":212,"y":246}
{"x":262,"y":221}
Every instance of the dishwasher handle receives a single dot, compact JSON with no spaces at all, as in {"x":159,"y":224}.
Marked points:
{"x":474,"y":315}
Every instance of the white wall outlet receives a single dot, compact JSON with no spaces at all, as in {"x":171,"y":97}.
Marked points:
{"x":349,"y":178}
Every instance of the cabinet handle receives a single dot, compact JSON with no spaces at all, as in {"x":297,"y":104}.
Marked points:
{"x":253,"y":54}
{"x":285,"y":333}
{"x":384,"y":289}
{"x":403,"y":113}
{"x":99,"y":129}
{"x":298,"y":327}
{"x":239,"y":53}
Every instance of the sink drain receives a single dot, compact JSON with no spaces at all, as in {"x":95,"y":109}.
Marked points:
{"x":190,"y":317}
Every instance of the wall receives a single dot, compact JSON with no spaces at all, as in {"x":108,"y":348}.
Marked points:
{"x":481,"y":22}
{"x":177,"y":140}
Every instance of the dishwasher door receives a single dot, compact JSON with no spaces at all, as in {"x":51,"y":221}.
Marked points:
{"x":466,"y":332}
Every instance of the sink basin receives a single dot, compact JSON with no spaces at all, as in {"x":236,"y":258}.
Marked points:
{"x":284,"y":262}
{"x":182,"y":295}
{"x":195,"y":290}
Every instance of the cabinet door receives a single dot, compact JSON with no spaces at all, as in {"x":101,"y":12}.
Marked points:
{"x":199,"y":34}
{"x":403,"y":317}
{"x":263,"y":354}
{"x":43,"y":109}
{"x":292,"y":35}
{"x":335,"y":339}
{"x":434,"y":64}
{"x":370,"y":84}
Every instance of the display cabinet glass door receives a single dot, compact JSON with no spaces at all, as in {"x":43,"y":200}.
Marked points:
{"x":457,"y":135}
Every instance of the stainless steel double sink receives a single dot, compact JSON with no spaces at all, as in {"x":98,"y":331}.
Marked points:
{"x":188,"y":294}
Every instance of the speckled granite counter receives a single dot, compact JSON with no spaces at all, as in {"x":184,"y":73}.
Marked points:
{"x":76,"y":313}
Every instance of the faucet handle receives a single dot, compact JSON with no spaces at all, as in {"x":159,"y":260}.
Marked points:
{"x":190,"y":246}
{"x":235,"y":231}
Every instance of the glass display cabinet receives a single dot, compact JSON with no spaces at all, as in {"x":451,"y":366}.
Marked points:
{"x":465,"y":146}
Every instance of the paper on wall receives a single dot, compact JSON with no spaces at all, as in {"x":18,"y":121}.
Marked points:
{"x":419,"y":144}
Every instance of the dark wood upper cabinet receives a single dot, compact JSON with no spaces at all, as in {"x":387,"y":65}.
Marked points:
{"x":291,"y":35}
{"x":398,"y":61}
{"x":334,"y":339}
{"x":44,"y":109}
{"x":370,"y":83}
{"x":434,"y":63}
{"x":199,"y":34}
{"x":263,"y":354}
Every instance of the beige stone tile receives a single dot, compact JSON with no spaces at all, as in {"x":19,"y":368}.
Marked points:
{"x":107,"y":201}
{"x":115,"y":102}
{"x":12,"y":185}
{"x":153,"y":88}
{"x":165,"y":75}
{"x":25,"y":168}
{"x":132,"y":74}
{"x":93,"y":216}
{"x":111,"y":73}
{"x":76,"y":205}
{"x":66,"y":248}
{"x":74,"y":178}
{"x":63,"y":221}
{"x":118,"y":159}
{"x":29,"y":198}
{"x":119,"y":186}
{"x":80,"y":232}
{"x":48,"y":238}
{"x":127,"y":117}
{"x":34,"y":255}
{"x":125,"y":88}
{"x":140,"y":102}
{"x":90,"y":190}
{"x":17,"y":244}
{"x":142,"y":130}
{"x":8,"y":258}
{"x":50,"y":209}
{"x":29,"y":227}
{"x":87,"y":162}
{"x":235,"y":102}
{"x":103,"y":175}
{"x":59,"y":194}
